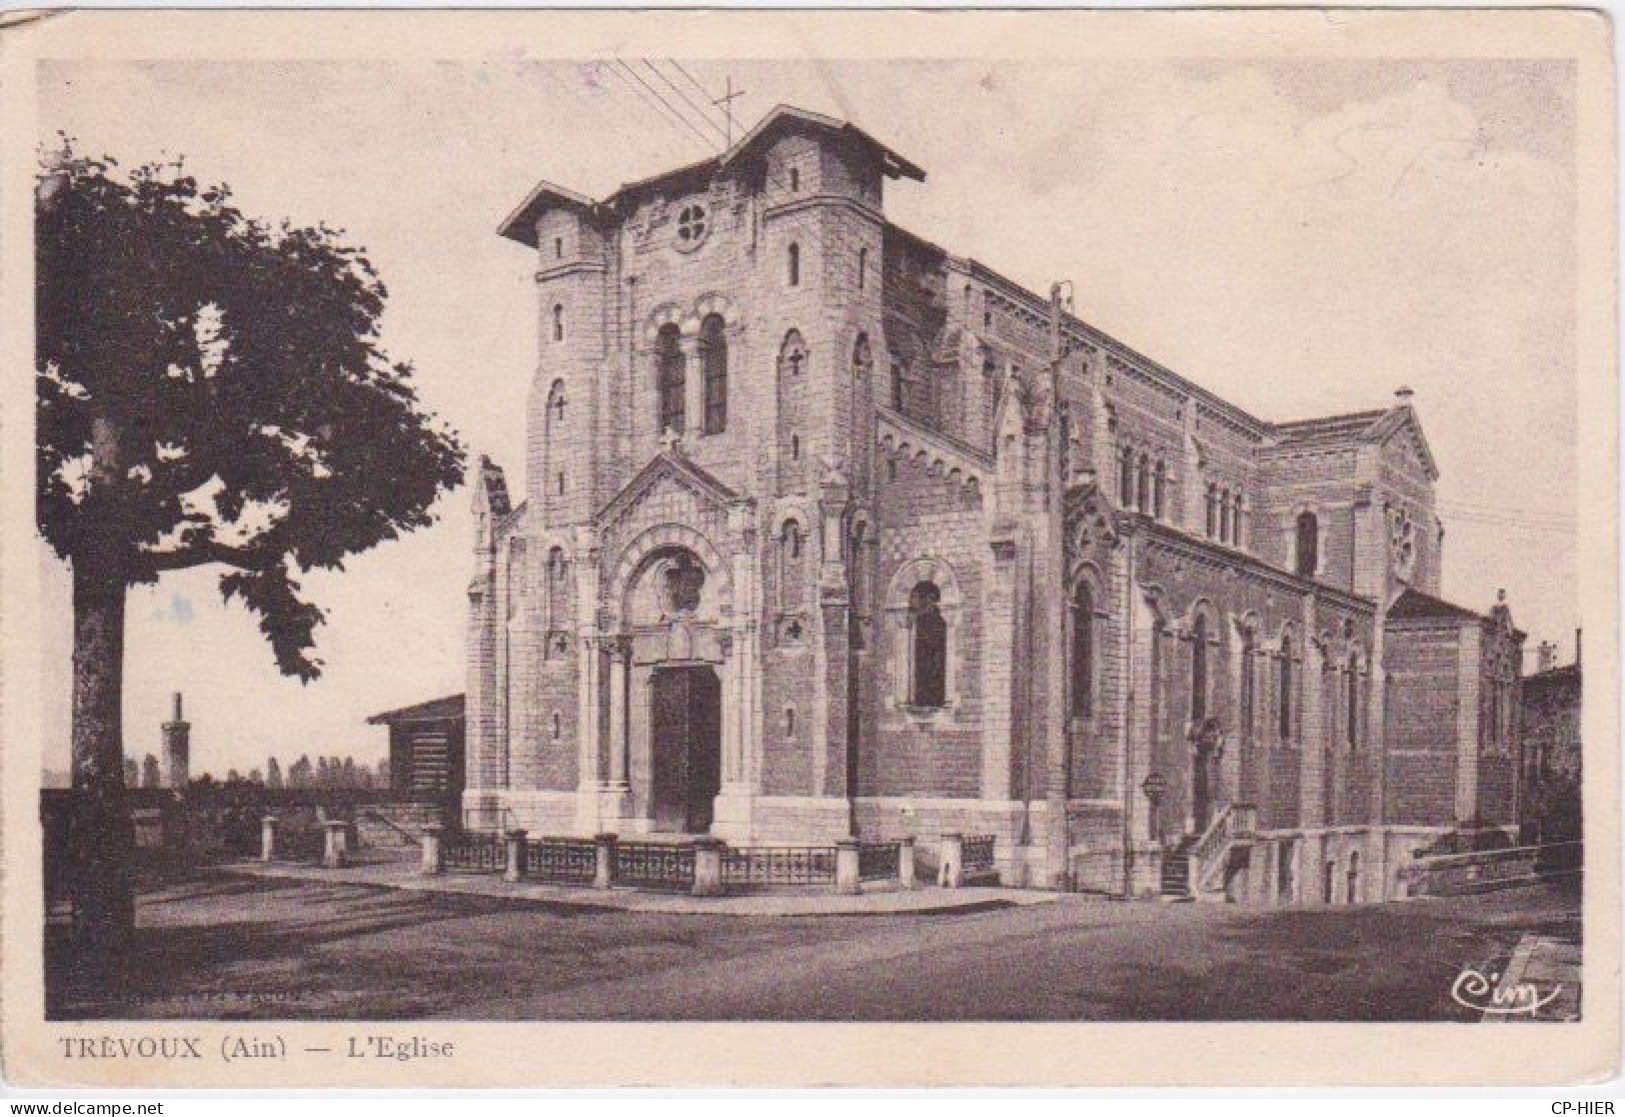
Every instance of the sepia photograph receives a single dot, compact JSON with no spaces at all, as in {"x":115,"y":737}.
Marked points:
{"x":908,"y":535}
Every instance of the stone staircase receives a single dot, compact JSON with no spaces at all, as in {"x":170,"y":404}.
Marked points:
{"x":1176,"y":874}
{"x":394,"y":824}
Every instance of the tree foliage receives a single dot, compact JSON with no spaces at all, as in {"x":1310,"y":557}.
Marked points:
{"x":212,"y":389}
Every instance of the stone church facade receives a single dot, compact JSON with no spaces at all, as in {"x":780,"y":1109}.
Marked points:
{"x":826,"y":530}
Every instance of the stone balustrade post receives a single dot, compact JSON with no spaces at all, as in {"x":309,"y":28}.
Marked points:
{"x":515,"y":871}
{"x":335,"y":844}
{"x":848,"y":881}
{"x":268,"y":826}
{"x":707,"y":867}
{"x":604,"y":866}
{"x":951,"y":872}
{"x":434,"y":850}
{"x":905,"y":862}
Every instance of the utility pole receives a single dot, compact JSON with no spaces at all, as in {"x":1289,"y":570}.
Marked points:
{"x":726,"y":101}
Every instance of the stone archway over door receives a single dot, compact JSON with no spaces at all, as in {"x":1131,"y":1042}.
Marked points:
{"x":685,"y":706}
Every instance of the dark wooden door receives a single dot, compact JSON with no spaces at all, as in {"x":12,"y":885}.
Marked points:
{"x":686,"y":742}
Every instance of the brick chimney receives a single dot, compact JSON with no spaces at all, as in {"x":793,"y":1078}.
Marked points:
{"x":1545,"y":656}
{"x":177,"y":749}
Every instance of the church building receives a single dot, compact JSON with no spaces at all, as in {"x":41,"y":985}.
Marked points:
{"x":827,"y":531}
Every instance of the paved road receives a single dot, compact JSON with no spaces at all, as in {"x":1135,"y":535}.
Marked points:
{"x":287,"y":949}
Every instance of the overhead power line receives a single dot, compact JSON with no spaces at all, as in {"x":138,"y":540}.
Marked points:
{"x":683,"y":120}
{"x":699,"y":112}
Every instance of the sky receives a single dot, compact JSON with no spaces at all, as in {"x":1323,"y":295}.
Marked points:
{"x":1300,"y":237}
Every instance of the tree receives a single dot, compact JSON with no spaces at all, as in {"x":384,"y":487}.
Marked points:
{"x":273,"y":774}
{"x":132,"y":772}
{"x":211,"y":390}
{"x":150,"y":776}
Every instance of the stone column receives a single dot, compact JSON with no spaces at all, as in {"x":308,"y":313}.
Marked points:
{"x":707,"y":866}
{"x":905,"y":862}
{"x":951,"y":872}
{"x":616,"y":745}
{"x":268,"y":838}
{"x":604,"y":863}
{"x":335,"y":845}
{"x":434,"y":855}
{"x":847,"y":877}
{"x":587,"y":719}
{"x":515,"y":871}
{"x":693,"y":388}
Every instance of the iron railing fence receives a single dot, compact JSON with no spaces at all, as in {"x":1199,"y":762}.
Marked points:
{"x":561,"y":860}
{"x":654,"y":865}
{"x":978,"y":854}
{"x":760,"y":866}
{"x":878,"y":860}
{"x":474,"y":851}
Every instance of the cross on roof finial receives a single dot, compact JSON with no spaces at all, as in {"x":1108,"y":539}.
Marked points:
{"x":726,"y":101}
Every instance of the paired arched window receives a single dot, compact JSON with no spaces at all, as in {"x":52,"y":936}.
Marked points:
{"x":1224,"y":506}
{"x":1307,"y":547}
{"x":669,"y":378}
{"x":793,"y":261}
{"x":558,"y":321}
{"x":1083,"y":651}
{"x":1284,"y":728}
{"x":1199,"y":668}
{"x":714,"y":362}
{"x":929,"y":670}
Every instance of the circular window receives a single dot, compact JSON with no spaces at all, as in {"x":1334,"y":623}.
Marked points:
{"x":692,"y":225}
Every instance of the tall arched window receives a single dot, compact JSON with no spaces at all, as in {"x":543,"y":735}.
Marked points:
{"x":1224,"y":515}
{"x":669,"y":376}
{"x":1083,"y":651}
{"x":1235,"y":520}
{"x":1353,"y":699}
{"x":795,"y":265}
{"x":714,"y":360}
{"x":1159,"y":485}
{"x":1125,"y":477}
{"x":1285,"y":710}
{"x":862,"y":360}
{"x":555,"y":404}
{"x":1212,"y":513}
{"x":558,"y":321}
{"x":863,"y":268}
{"x":929,"y":669}
{"x":1143,"y":497}
{"x":897,"y":386}
{"x":1249,"y":650}
{"x":790,"y":576}
{"x":1199,"y":668}
{"x":1308,"y":545}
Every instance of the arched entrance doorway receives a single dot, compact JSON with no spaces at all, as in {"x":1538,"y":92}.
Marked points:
{"x":685,"y":747}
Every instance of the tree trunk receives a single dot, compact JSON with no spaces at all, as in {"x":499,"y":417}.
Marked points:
{"x":102,"y":837}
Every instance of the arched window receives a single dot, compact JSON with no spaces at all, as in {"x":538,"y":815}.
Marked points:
{"x":1125,"y":477}
{"x":558,"y":321}
{"x":1353,"y":699}
{"x":1143,"y":497}
{"x":789,"y":721}
{"x":1308,"y":545}
{"x":555,"y":404}
{"x":561,"y":483}
{"x":863,"y":268}
{"x":862,"y":360}
{"x":929,"y":674}
{"x":558,"y":248}
{"x":1235,"y":521}
{"x":1249,"y":649}
{"x":795,"y":447}
{"x":558,"y":725}
{"x":795,"y":265}
{"x":1212,"y":513}
{"x":795,"y":179}
{"x":1083,"y":651}
{"x":1199,"y":668}
{"x":1285,"y":712}
{"x":669,"y":377}
{"x":1159,"y":485}
{"x":896,"y":386}
{"x":714,"y":360}
{"x":792,"y":355}
{"x":1224,"y":515}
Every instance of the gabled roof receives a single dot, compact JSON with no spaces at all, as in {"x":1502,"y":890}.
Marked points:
{"x":449,"y":708}
{"x":668,"y":463}
{"x":520,"y":225}
{"x":1414,"y":604}
{"x":1359,"y":426}
{"x":893,"y":164}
